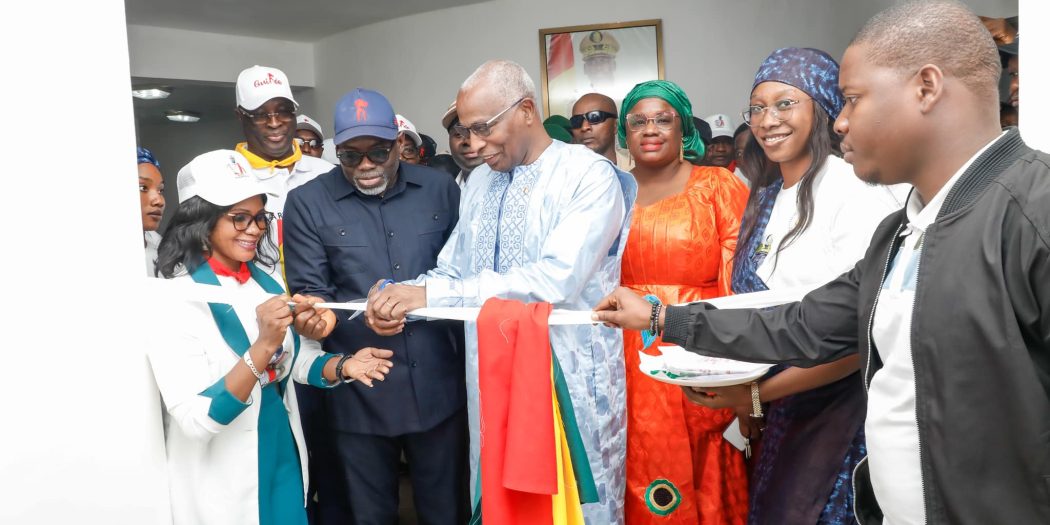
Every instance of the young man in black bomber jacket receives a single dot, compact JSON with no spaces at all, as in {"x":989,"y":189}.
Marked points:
{"x":950,"y":307}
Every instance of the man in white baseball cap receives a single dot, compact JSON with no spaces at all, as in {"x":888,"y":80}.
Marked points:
{"x":409,"y":139}
{"x":720,"y":152}
{"x":308,"y":136}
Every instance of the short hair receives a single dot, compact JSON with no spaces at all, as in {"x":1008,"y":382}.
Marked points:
{"x":509,"y":79}
{"x":945,"y":33}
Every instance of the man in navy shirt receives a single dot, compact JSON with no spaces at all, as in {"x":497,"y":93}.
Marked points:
{"x":371,"y":218}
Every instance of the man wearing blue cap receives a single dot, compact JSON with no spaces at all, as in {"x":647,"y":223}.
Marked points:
{"x":374,"y":217}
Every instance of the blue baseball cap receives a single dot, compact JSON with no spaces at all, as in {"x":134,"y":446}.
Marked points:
{"x":364,"y":113}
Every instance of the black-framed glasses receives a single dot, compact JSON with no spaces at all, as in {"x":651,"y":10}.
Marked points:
{"x":663,"y":120}
{"x":593,"y":117}
{"x":780,"y":110}
{"x":483,"y":129}
{"x":312,"y":143}
{"x":242,"y":220}
{"x":283,"y":115}
{"x":352,"y":159}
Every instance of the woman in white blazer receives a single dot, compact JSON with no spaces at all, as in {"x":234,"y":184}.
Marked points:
{"x":234,"y":443}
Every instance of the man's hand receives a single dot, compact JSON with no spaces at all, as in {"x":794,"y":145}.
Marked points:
{"x":1002,"y":32}
{"x":623,"y":309}
{"x":368,"y":364}
{"x":387,"y":307}
{"x":315,"y":323}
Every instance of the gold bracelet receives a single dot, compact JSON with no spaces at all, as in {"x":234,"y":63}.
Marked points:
{"x":756,"y":403}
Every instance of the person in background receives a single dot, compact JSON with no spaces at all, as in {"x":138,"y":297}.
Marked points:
{"x":427,"y":150}
{"x":740,"y":139}
{"x":558,"y":127}
{"x":459,"y":147}
{"x":375,"y":217}
{"x":1007,"y":115}
{"x":151,"y":202}
{"x":409,"y":141}
{"x":593,"y":124}
{"x":720,"y":151}
{"x":308,"y":136}
{"x":680,"y":470}
{"x":234,"y":444}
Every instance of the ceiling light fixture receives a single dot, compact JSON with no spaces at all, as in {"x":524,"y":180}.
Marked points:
{"x":151,"y":93}
{"x":178,"y":115}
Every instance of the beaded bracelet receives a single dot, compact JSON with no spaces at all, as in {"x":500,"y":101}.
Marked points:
{"x":339,"y":369}
{"x":649,"y":336}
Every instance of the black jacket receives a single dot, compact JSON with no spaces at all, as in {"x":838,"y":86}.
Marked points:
{"x":980,"y":340}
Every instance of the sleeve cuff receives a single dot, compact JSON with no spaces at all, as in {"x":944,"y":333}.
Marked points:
{"x":676,"y":325}
{"x":447,"y":292}
{"x":224,"y":406}
{"x":315,"y":377}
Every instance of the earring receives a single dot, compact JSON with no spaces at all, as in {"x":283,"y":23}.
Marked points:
{"x":681,"y":153}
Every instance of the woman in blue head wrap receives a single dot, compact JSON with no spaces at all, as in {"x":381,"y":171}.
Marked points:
{"x":808,"y":219}
{"x":680,"y":470}
{"x":151,"y":201}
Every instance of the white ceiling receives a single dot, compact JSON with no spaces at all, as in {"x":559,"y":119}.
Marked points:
{"x":299,"y":20}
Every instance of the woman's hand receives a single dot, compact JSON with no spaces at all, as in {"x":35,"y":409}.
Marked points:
{"x":719,"y":397}
{"x":624,"y":309}
{"x":315,"y":323}
{"x":274,"y":317}
{"x":368,"y":364}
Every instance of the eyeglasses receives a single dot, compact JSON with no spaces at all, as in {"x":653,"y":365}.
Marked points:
{"x":352,"y":159}
{"x":483,"y":129}
{"x":593,"y":117}
{"x":781,"y":110}
{"x":241,"y":220}
{"x":312,"y":143}
{"x":663,"y":120}
{"x":409,"y":151}
{"x":259,"y":119}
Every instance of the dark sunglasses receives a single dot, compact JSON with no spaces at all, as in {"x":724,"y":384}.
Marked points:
{"x":594,"y":117}
{"x":241,"y":220}
{"x":312,"y":143}
{"x":352,"y":159}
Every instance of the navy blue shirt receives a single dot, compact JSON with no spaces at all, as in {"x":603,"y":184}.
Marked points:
{"x":337,"y":243}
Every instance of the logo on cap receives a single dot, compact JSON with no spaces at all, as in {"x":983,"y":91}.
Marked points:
{"x":361,"y":114}
{"x":270,"y":79}
{"x":235,"y":168}
{"x":720,"y":123}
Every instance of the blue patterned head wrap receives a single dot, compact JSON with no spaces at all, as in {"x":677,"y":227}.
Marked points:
{"x":146,"y":157}
{"x":811,"y":70}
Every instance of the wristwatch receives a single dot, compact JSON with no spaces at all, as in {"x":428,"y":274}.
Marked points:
{"x":756,"y":403}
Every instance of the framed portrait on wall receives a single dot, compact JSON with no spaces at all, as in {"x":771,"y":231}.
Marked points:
{"x":604,"y":58}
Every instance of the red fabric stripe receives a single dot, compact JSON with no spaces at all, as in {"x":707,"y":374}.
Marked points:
{"x":560,"y":59}
{"x":518,"y":459}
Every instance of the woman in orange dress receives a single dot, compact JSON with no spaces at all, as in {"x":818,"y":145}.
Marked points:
{"x":680,"y":470}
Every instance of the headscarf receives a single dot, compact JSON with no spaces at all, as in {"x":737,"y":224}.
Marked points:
{"x":672,"y":94}
{"x":811,"y":70}
{"x":145,"y":156}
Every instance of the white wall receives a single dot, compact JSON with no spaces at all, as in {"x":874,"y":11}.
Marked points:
{"x":712,"y":48}
{"x":82,"y":438}
{"x":161,"y":52}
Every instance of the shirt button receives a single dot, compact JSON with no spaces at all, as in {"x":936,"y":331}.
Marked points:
{"x":409,"y":333}
{"x":391,"y":234}
{"x":413,"y":364}
{"x":435,"y":216}
{"x":342,"y":232}
{"x":397,"y":266}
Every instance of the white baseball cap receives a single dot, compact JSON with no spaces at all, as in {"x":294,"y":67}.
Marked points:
{"x":405,"y":126}
{"x":721,"y":126}
{"x":258,"y":84}
{"x":307,"y":123}
{"x":222,"y":177}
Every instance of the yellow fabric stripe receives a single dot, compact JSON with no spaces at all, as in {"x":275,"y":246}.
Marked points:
{"x":258,"y":162}
{"x":565,"y":505}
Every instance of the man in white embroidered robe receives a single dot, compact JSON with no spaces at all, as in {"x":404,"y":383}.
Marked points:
{"x":540,"y":221}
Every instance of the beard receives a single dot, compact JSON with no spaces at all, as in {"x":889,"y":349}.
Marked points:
{"x":374,"y":190}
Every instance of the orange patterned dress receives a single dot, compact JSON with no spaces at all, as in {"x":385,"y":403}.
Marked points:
{"x":680,"y":470}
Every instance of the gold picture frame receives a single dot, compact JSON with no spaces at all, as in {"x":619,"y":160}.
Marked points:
{"x":605,"y":58}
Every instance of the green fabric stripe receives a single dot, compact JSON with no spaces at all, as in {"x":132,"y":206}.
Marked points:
{"x":316,"y":375}
{"x":581,"y":466}
{"x":224,"y":406}
{"x":225,"y":318}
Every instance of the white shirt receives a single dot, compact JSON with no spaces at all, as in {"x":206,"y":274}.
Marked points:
{"x":152,"y":240}
{"x":305,"y":170}
{"x":891,"y":426}
{"x":845,"y":214}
